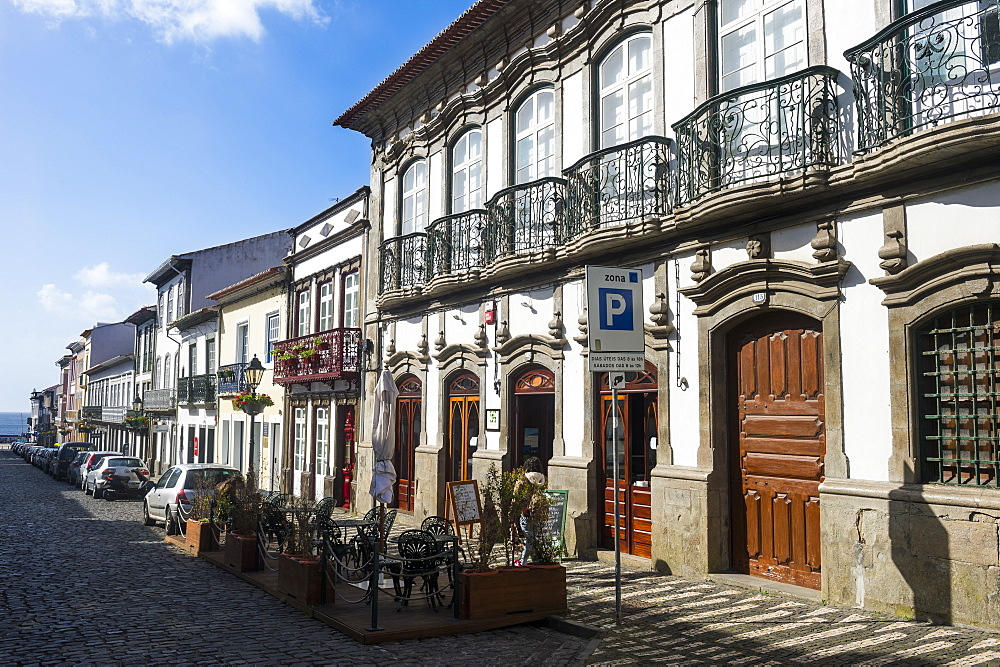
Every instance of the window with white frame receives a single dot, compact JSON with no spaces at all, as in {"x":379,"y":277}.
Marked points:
{"x":181,"y":305}
{"x":303,"y":312}
{"x":210,"y":366}
{"x":322,"y":440}
{"x":326,"y":306}
{"x":626,"y":83}
{"x":170,"y":305}
{"x":168,"y":379}
{"x":413,"y":216}
{"x":299,"y":459}
{"x":273,"y":333}
{"x":352,"y":291}
{"x":193,"y":359}
{"x":242,"y":343}
{"x":760,"y":40}
{"x":159,"y":374}
{"x":535,"y":137}
{"x":467,"y":172}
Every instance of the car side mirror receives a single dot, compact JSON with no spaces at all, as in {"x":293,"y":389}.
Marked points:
{"x":147,"y":486}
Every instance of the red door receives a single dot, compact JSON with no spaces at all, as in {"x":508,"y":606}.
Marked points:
{"x":781,"y":442}
{"x":408,"y":407}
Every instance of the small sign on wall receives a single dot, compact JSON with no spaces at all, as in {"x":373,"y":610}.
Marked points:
{"x":493,"y":420}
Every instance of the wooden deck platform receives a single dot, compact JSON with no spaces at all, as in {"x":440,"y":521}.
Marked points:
{"x":416,"y":621}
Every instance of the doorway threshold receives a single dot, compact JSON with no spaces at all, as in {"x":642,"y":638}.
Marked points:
{"x":628,"y":560}
{"x":760,"y":585}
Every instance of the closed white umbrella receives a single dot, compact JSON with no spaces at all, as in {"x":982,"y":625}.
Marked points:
{"x":384,"y":438}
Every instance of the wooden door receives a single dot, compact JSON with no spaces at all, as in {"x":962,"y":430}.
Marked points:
{"x":636,"y":458}
{"x":463,"y":426}
{"x":781,"y":443}
{"x":408,"y":408}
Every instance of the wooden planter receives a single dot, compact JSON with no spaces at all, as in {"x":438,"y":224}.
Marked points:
{"x":302,"y":580}
{"x":536,"y":589}
{"x":241,"y":552}
{"x":200,"y":536}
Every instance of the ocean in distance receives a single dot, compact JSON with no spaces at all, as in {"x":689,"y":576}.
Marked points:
{"x":13,"y":423}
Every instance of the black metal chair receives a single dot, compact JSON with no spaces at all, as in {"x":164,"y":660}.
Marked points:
{"x":273,"y":521}
{"x":438,"y":525}
{"x":418,"y":557}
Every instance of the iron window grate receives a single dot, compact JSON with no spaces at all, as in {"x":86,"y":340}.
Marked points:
{"x":960,"y":396}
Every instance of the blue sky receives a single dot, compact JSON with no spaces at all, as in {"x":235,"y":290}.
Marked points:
{"x":131,"y":130}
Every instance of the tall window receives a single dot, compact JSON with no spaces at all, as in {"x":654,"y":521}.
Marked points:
{"x":273,"y":332}
{"x":181,"y":309}
{"x":299,"y":460}
{"x":326,"y":306}
{"x":210,"y":355}
{"x":192,"y":359}
{"x":168,"y":379}
{"x":760,"y":40}
{"x":322,"y":440}
{"x":466,"y":172}
{"x":414,"y":213}
{"x":242,"y":343}
{"x":535,"y":137}
{"x":958,"y":387}
{"x":170,"y":305}
{"x":626,"y":82}
{"x":161,"y":382}
{"x":352,"y":290}
{"x":303,"y":313}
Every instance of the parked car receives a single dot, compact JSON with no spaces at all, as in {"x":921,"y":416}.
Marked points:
{"x":67,"y":452}
{"x":171,"y":497}
{"x":92,"y":461}
{"x":43,"y":457}
{"x":133,"y":469}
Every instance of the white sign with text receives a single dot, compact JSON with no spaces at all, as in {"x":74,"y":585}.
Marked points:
{"x":614,"y":319}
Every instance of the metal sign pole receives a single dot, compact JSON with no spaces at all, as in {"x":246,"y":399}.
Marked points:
{"x":618,"y":551}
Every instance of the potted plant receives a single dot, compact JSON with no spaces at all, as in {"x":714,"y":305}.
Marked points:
{"x":200,"y":532}
{"x":137,"y":422}
{"x":252,"y":404}
{"x":246,"y":502}
{"x":488,"y":592}
{"x":299,"y":574}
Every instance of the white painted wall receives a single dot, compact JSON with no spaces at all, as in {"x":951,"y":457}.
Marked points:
{"x":533,"y":317}
{"x":390,"y":208}
{"x":574,"y":140}
{"x":494,"y":158}
{"x":728,"y":253}
{"x":684,"y":404}
{"x":848,"y":23}
{"x":960,"y":218}
{"x":435,"y":184}
{"x":575,"y":375}
{"x":678,"y":74}
{"x":408,"y":334}
{"x":332,"y":257}
{"x":864,"y":339}
{"x":792,"y":244}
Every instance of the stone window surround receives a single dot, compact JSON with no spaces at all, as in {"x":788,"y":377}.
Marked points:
{"x":954,"y":278}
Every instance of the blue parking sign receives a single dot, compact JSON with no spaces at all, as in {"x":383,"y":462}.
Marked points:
{"x":615,"y":309}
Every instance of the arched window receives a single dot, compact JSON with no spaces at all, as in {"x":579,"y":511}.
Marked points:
{"x":413,"y":216}
{"x":535,"y":137}
{"x":167,"y":379}
{"x":467,"y":172}
{"x":626,"y":89}
{"x":958,"y":383}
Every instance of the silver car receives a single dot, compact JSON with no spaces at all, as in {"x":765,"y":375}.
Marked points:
{"x":88,"y":464}
{"x":169,"y":501}
{"x":129,"y":468}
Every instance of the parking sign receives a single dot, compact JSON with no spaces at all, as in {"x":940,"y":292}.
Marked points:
{"x":614,"y":321}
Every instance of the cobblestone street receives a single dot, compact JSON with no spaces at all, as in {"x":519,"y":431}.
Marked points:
{"x":83,"y":581}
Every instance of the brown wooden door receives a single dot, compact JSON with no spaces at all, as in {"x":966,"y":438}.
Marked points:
{"x":780,"y":428}
{"x":636,"y":429}
{"x":463,"y":426}
{"x":408,"y":407}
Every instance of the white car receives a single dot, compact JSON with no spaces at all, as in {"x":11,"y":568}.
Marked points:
{"x":133,"y":470}
{"x":169,"y":501}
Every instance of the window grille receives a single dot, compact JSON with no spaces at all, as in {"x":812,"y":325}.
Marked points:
{"x":959,"y":387}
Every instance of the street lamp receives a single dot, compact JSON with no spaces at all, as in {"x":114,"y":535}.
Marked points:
{"x":254,"y":372}
{"x":137,"y":411}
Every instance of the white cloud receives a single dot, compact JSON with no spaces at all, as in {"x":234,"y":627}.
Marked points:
{"x":98,"y":295}
{"x":180,"y":20}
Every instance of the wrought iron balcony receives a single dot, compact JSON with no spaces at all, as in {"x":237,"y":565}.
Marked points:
{"x":158,"y":400}
{"x":328,"y":355}
{"x":525,"y":218}
{"x":456,"y":243}
{"x":759,"y":132}
{"x":403,"y":261}
{"x":231,"y":379}
{"x":930,"y":66}
{"x":196,"y":389}
{"x":615,"y":185}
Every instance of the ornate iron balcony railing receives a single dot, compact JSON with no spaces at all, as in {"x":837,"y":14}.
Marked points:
{"x":196,"y":389}
{"x":455,"y":243}
{"x":525,"y":218}
{"x":231,"y":379}
{"x":612,"y":186}
{"x":158,"y":400}
{"x":404,"y":260}
{"x":932,"y":65}
{"x":759,"y":132}
{"x":328,"y":355}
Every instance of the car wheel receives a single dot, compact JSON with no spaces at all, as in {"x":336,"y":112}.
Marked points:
{"x":86,"y":489}
{"x":98,"y":493}
{"x":170,"y":525}
{"x":146,"y":519}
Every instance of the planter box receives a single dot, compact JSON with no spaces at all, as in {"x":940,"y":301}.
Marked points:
{"x":301,"y":579}
{"x":241,"y":552}
{"x":536,"y":589}
{"x":200,"y":536}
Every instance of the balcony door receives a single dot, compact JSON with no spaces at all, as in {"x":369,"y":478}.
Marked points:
{"x":463,"y":426}
{"x":636,"y":434}
{"x":408,"y":407}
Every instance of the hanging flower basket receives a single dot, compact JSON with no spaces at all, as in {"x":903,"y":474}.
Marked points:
{"x":84,"y":427}
{"x":137,"y":422}
{"x":252,"y":404}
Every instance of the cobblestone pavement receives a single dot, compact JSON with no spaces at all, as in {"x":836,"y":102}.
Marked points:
{"x":83,"y":581}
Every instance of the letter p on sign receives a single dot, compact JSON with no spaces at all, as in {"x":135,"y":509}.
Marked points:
{"x":616,"y":309}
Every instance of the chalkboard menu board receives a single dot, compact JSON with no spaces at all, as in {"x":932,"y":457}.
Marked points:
{"x":557,"y":517}
{"x":465,"y":505}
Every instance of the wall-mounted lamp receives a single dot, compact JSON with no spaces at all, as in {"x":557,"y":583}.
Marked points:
{"x":490,"y":315}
